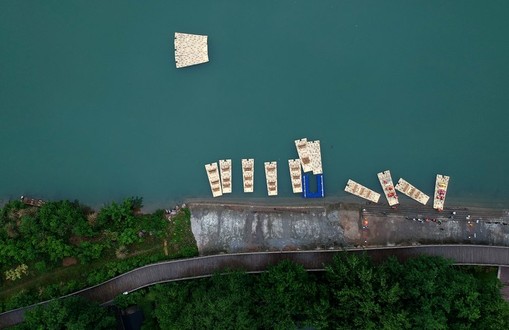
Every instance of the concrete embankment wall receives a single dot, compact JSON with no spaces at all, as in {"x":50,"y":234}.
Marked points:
{"x":231,"y":227}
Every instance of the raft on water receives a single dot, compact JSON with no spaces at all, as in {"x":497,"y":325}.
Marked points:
{"x":225,"y":167}
{"x":359,"y":190}
{"x":385,"y":179}
{"x":412,"y":192}
{"x":271,"y":178}
{"x":248,"y":175}
{"x":295,"y":175}
{"x":441,"y":185}
{"x":214,"y":180}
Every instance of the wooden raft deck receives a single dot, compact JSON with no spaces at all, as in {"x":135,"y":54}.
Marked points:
{"x":225,"y":167}
{"x":302,"y":150}
{"x":214,"y":180}
{"x":295,"y":175}
{"x":441,"y":185}
{"x":190,"y":49}
{"x":271,"y":177}
{"x":412,"y":192}
{"x":310,"y":155}
{"x":385,"y":179}
{"x":359,"y":190}
{"x":248,"y":175}
{"x":315,"y":155}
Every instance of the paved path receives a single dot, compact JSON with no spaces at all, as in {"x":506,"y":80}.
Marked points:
{"x":259,"y":261}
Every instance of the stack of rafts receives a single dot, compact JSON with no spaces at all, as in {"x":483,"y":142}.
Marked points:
{"x":248,"y":175}
{"x":214,"y":180}
{"x":310,"y":158}
{"x":190,"y":49}
{"x":225,"y":167}
{"x":310,"y":155}
{"x":441,"y":184}
{"x":271,"y":177}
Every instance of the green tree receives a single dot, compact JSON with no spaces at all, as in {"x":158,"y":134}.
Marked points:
{"x":68,"y":313}
{"x":284,"y":292}
{"x":221,"y":302}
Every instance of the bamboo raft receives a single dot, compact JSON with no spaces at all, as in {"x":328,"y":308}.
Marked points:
{"x":214,"y":180}
{"x":310,"y":155}
{"x":225,"y":167}
{"x":295,"y":175}
{"x":190,"y":49}
{"x":316,"y":156}
{"x":302,"y":150}
{"x":385,"y":179}
{"x":441,"y":185}
{"x":412,"y":192}
{"x":248,"y":175}
{"x":32,"y":201}
{"x":359,"y":190}
{"x":271,"y":177}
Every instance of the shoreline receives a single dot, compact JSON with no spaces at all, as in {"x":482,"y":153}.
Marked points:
{"x":453,"y":203}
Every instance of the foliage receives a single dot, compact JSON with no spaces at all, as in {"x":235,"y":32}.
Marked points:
{"x":16,"y":273}
{"x":45,"y":236}
{"x":69,"y":313}
{"x":354,"y":293}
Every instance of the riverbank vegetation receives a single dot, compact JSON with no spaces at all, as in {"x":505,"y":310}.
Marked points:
{"x":353,"y":293}
{"x":64,"y":246}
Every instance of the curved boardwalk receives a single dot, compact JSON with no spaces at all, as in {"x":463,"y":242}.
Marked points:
{"x":257,"y":262}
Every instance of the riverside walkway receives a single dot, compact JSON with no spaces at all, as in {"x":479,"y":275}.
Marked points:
{"x":258,"y":262}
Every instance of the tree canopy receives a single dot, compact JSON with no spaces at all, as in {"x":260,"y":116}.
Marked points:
{"x":69,"y":313}
{"x":353,"y":293}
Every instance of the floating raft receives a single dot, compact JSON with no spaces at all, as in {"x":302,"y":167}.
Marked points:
{"x":316,"y":156}
{"x":295,"y":175}
{"x":190,"y":49}
{"x":412,"y":192}
{"x":310,"y":155}
{"x":248,"y":175}
{"x":32,"y":201}
{"x":441,"y":184}
{"x":225,"y":167}
{"x":271,"y":177}
{"x":302,"y":150}
{"x":385,"y":179}
{"x":359,"y":190}
{"x":214,"y":181}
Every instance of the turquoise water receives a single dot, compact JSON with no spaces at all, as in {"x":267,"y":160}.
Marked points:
{"x":93,"y":108}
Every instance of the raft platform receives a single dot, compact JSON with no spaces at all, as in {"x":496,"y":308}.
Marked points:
{"x":441,"y":185}
{"x":214,"y":180}
{"x":248,"y":175}
{"x":310,"y":155}
{"x":32,"y":201}
{"x":225,"y":168}
{"x":359,"y":190}
{"x":302,"y":151}
{"x":412,"y":192}
{"x":190,"y":49}
{"x":271,"y":178}
{"x":295,"y":175}
{"x":385,"y":179}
